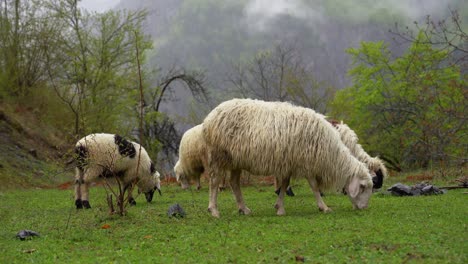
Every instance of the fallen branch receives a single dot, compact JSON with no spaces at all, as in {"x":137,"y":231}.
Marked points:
{"x":453,"y":187}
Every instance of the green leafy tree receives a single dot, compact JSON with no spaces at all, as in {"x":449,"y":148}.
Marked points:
{"x":95,"y":73}
{"x":411,"y":109}
{"x":26,"y":31}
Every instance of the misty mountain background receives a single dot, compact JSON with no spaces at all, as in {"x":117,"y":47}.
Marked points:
{"x":211,"y":35}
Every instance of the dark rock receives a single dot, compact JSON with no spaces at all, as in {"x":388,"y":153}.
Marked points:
{"x":427,"y":189}
{"x":418,"y":189}
{"x":176,"y":211}
{"x":420,"y":186}
{"x":431,"y":189}
{"x":400,"y":189}
{"x":23,"y":234}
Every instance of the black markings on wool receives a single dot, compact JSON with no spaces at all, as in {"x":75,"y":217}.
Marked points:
{"x":126,"y":148}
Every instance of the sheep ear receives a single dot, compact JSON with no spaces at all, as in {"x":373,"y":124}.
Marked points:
{"x":378,"y":180}
{"x":353,"y":187}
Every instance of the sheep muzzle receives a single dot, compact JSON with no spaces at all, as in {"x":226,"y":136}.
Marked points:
{"x":149,"y":196}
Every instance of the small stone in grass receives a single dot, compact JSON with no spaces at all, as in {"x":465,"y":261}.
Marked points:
{"x":176,"y":211}
{"x":23,"y":234}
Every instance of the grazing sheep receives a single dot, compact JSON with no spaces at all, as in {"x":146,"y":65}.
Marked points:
{"x":274,"y":138}
{"x":350,"y":139}
{"x":101,"y":156}
{"x":192,"y":157}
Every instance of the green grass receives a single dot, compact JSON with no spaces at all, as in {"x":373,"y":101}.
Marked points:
{"x":425,"y":229}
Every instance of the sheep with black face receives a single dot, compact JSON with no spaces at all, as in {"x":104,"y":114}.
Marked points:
{"x":100,"y":156}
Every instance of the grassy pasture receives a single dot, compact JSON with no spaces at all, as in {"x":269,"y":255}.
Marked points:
{"x":425,"y":229}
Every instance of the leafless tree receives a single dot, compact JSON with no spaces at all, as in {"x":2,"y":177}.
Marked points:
{"x":445,"y":34}
{"x":158,"y":126}
{"x":281,"y":75}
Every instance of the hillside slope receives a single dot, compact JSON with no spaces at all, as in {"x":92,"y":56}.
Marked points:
{"x":31,"y":155}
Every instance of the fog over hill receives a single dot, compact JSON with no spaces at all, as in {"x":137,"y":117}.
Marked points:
{"x":211,"y":34}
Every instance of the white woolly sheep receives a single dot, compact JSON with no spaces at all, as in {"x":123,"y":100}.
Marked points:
{"x":274,"y":138}
{"x":350,"y":139}
{"x":192,"y":157}
{"x":102,"y":156}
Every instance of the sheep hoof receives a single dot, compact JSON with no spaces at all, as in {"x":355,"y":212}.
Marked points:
{"x":280,"y":211}
{"x":214,"y":212}
{"x":289,"y":192}
{"x":79,"y":204}
{"x":245,"y":211}
{"x":86,"y":204}
{"x":326,"y":210}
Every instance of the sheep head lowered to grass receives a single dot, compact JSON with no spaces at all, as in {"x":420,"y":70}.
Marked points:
{"x":350,"y":139}
{"x":102,"y":156}
{"x":192,"y":157}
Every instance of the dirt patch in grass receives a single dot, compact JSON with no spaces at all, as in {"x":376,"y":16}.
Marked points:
{"x":65,"y":186}
{"x":410,"y":257}
{"x":384,"y":247}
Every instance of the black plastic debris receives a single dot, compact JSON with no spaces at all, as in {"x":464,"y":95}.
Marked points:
{"x":176,"y":211}
{"x":400,"y":189}
{"x":23,"y":234}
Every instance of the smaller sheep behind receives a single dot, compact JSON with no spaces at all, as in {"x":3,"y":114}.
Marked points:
{"x":350,"y":139}
{"x":101,"y":156}
{"x":192,"y":157}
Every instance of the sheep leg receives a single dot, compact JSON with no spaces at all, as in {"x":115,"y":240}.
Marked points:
{"x":320,"y":203}
{"x":78,"y":182}
{"x":235,"y":186}
{"x":280,"y":200}
{"x":198,"y":183}
{"x":130,"y":199}
{"x":222,"y":184}
{"x":214,"y":184}
{"x":85,"y":195}
{"x":78,"y":201}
